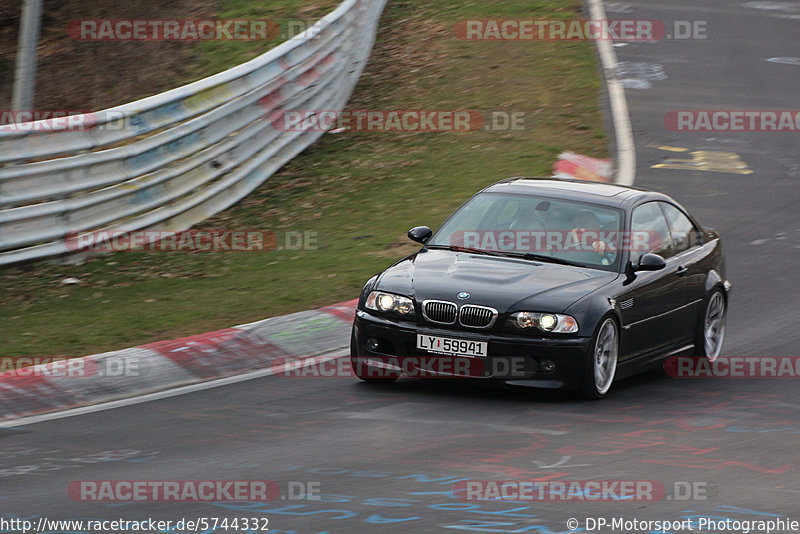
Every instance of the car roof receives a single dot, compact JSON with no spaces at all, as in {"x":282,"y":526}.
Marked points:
{"x":596,"y":192}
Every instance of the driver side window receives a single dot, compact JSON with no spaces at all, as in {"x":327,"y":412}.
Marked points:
{"x":650,"y":232}
{"x":684,"y":232}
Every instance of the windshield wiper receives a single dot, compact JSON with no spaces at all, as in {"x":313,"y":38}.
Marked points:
{"x":551,"y":259}
{"x":456,"y":248}
{"x":509,"y":254}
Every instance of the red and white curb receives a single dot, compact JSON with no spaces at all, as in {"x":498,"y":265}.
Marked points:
{"x":164,"y":365}
{"x":578,"y":166}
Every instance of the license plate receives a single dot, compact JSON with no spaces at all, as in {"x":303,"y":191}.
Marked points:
{"x":452,"y":347}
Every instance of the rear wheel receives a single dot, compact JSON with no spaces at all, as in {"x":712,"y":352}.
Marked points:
{"x":363,"y":371}
{"x":601,"y":364}
{"x":710,"y":333}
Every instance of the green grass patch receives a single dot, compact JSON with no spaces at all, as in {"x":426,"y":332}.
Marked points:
{"x":290,"y":15}
{"x":359,"y":192}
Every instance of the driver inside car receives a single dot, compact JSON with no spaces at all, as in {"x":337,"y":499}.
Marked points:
{"x":585,"y":226}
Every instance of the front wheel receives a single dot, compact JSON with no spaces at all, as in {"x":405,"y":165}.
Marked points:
{"x":711,"y":330}
{"x":601,"y":364}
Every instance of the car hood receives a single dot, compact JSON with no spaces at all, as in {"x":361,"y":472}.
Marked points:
{"x":507,"y":284}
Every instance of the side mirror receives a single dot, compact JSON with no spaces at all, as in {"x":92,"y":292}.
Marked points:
{"x":650,"y":262}
{"x":420,"y":234}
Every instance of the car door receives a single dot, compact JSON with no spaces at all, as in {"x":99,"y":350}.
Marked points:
{"x":650,"y":301}
{"x":687,"y":242}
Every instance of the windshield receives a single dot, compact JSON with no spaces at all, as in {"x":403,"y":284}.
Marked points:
{"x":541,"y":228}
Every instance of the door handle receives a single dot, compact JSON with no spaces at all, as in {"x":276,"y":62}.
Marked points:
{"x":681,"y":270}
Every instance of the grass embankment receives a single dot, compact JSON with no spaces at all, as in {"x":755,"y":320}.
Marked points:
{"x":359,"y":191}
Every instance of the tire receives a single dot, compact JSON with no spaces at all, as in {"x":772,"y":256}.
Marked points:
{"x":601,"y":362}
{"x":710,"y":333}
{"x":362,"y":371}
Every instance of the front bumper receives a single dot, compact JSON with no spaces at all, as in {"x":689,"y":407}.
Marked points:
{"x":519,"y":360}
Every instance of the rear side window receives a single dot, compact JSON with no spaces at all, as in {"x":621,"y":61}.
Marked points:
{"x":649,"y":223}
{"x":684,"y":233}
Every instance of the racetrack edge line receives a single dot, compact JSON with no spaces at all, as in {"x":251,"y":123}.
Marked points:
{"x":172,"y":392}
{"x":626,"y":149}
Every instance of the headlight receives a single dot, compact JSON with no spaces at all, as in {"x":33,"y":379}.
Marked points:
{"x":388,"y":302}
{"x":547,"y":322}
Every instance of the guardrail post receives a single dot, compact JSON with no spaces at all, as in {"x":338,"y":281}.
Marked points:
{"x":25,"y":71}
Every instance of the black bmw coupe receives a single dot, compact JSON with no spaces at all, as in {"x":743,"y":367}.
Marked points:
{"x":547,"y":283}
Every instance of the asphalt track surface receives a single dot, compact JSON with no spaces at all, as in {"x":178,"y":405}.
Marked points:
{"x":386,"y":459}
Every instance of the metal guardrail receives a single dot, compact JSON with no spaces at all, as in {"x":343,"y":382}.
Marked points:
{"x":182,"y":155}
